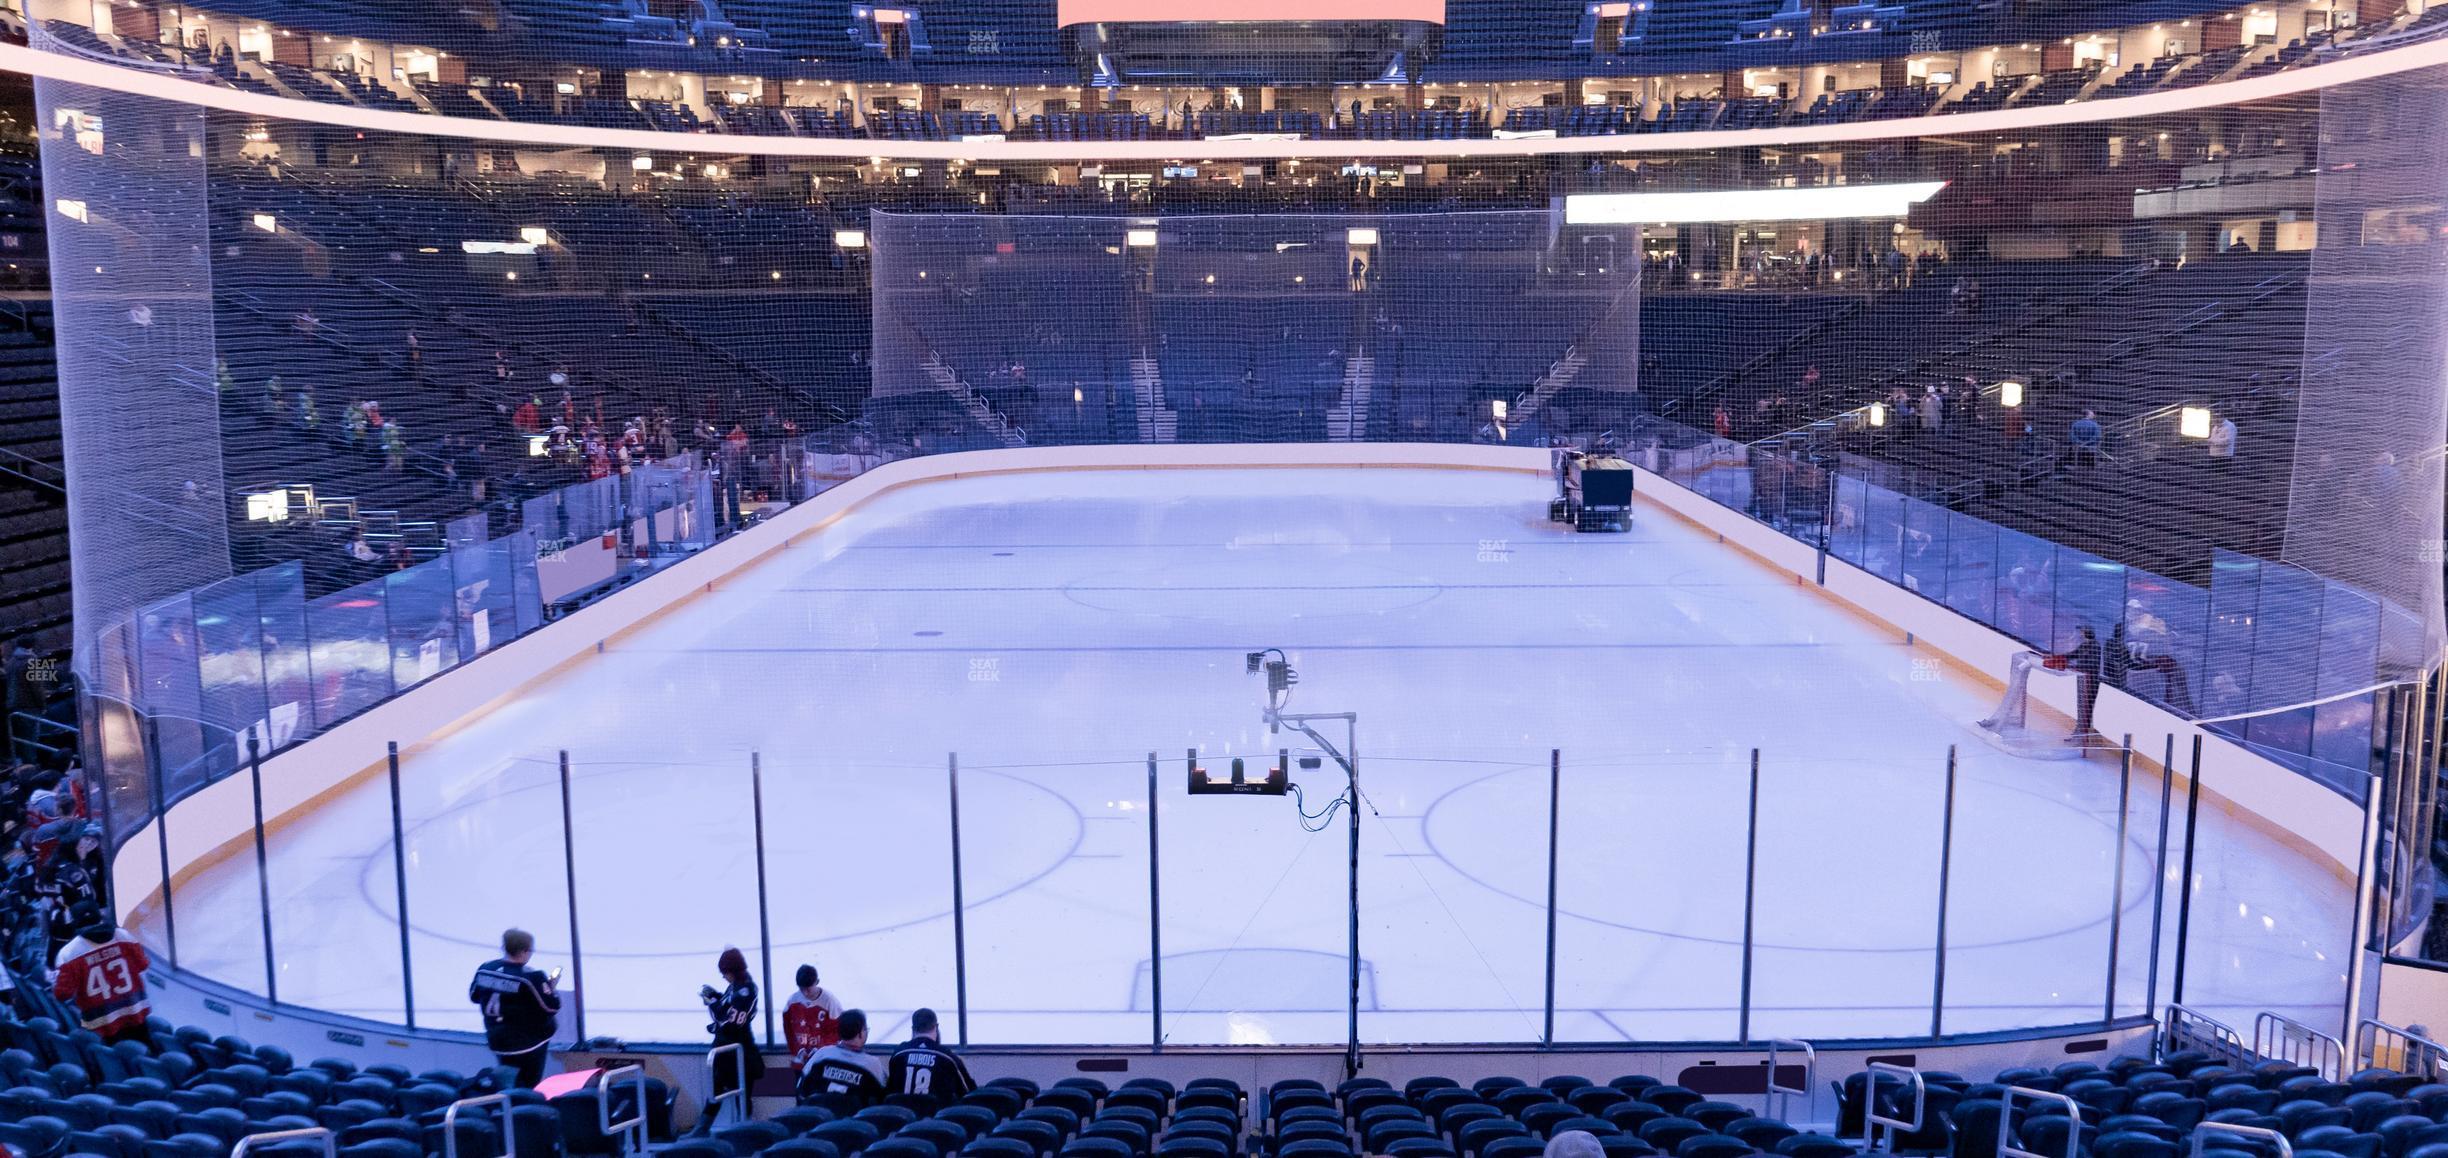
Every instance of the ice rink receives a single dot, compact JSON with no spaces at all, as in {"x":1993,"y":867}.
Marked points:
{"x":1052,"y":630}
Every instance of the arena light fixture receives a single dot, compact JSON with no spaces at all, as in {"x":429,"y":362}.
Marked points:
{"x":268,"y":507}
{"x":2193,"y":422}
{"x":1723,"y":206}
{"x":1878,"y":414}
{"x":534,"y":235}
{"x":70,"y":208}
{"x":1360,"y":237}
{"x":642,"y":162}
{"x":2010,"y":394}
{"x":267,"y":223}
{"x":1140,"y":239}
{"x":850,"y":238}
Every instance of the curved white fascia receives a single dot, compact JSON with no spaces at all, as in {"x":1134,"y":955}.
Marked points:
{"x":170,"y":86}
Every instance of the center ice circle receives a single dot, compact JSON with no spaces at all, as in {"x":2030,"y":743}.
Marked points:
{"x":847,"y":855}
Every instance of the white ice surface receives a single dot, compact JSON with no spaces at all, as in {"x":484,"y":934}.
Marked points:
{"x":1052,"y":630}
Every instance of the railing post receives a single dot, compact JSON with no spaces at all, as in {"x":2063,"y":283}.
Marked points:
{"x":1155,"y":920}
{"x":756,"y":803}
{"x":2184,"y":884}
{"x":569,"y":865}
{"x":960,"y":920}
{"x":1946,"y":864}
{"x":2116,"y":890}
{"x":399,"y":875}
{"x":1750,"y":908}
{"x":263,"y":871}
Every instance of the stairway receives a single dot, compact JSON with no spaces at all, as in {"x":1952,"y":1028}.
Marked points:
{"x":946,"y":380}
{"x":1549,"y":384}
{"x":1348,"y":420}
{"x":1157,"y":422}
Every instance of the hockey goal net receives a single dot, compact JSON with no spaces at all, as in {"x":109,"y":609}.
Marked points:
{"x":2027,"y":729}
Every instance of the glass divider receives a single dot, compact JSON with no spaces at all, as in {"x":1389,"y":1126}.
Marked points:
{"x":1155,"y":918}
{"x":2116,"y":890}
{"x":2159,"y":873}
{"x":569,"y":862}
{"x":399,"y":870}
{"x":1742,"y":1032}
{"x":161,"y":831}
{"x":1946,"y":864}
{"x":756,"y":804}
{"x":2184,"y":880}
{"x":1555,"y":793}
{"x":263,"y":870}
{"x":960,"y":925}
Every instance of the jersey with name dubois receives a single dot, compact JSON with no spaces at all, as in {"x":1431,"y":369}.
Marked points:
{"x":928,"y":1070}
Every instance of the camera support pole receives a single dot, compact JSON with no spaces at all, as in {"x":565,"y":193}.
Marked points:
{"x":1347,"y":757}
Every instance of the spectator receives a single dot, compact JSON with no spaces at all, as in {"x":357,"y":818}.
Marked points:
{"x":729,"y":1011}
{"x":2094,"y":663}
{"x":2083,"y":439}
{"x":521,"y":1008}
{"x":810,"y":1020}
{"x":101,"y":970}
{"x":1724,"y":422}
{"x":841,"y":1077}
{"x":2223,"y":440}
{"x":528,"y":418}
{"x":26,"y":691}
{"x":1574,"y":1144}
{"x":360,"y":550}
{"x":923,"y":1068}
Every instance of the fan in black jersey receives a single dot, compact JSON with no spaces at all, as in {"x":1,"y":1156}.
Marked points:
{"x":521,"y":1008}
{"x":923,"y":1068}
{"x":841,"y":1077}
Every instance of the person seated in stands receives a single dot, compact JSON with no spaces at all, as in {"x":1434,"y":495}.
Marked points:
{"x":923,"y":1068}
{"x":841,"y":1077}
{"x":528,"y":418}
{"x":358,"y":550}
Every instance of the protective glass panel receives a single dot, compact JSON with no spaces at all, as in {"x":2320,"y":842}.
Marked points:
{"x":1972,"y":568}
{"x":1847,"y":946}
{"x":1262,"y":955}
{"x":644,"y":978}
{"x":1649,"y":900}
{"x":1453,"y":897}
{"x":1062,"y":847}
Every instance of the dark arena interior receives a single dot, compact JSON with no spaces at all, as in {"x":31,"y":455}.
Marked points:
{"x":1248,"y":579}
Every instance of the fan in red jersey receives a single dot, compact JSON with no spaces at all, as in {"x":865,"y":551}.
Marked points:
{"x":101,"y":971}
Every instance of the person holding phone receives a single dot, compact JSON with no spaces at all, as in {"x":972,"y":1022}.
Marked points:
{"x":522,"y":1007}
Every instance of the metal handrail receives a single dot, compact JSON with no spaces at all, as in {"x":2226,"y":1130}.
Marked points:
{"x":635,"y":1126}
{"x":2005,"y":1133}
{"x":450,"y":1123}
{"x":2284,"y":1039}
{"x":331,"y":1141}
{"x":2410,"y":1048}
{"x":1776,"y":1098}
{"x":1872,"y":1119}
{"x":2184,"y":1024}
{"x":739,"y":1092}
{"x":2202,"y":1132}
